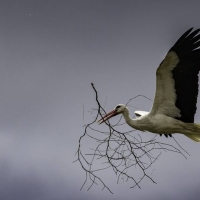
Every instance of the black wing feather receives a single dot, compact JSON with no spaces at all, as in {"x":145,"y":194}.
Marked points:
{"x":185,"y":74}
{"x":182,"y":38}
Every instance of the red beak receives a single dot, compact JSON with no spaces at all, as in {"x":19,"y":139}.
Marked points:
{"x":108,"y":116}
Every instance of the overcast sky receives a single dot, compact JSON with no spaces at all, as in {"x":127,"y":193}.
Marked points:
{"x":50,"y":52}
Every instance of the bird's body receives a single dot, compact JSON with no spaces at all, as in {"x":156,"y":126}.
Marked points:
{"x":175,"y":100}
{"x":162,"y":124}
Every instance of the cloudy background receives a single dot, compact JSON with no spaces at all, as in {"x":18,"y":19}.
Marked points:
{"x":50,"y":52}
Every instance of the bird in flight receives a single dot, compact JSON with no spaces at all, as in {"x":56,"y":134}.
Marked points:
{"x":176,"y":94}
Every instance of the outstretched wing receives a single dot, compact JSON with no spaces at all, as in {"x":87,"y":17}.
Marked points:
{"x":177,"y":79}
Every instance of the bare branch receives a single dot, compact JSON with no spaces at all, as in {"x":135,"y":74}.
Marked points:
{"x":126,"y":153}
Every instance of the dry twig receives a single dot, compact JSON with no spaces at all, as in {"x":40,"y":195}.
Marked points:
{"x":123,"y":152}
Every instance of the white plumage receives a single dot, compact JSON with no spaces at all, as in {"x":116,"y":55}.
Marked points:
{"x":175,"y":100}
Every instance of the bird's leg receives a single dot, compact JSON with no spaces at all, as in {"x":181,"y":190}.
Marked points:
{"x":170,"y":135}
{"x":166,"y":135}
{"x":160,"y":135}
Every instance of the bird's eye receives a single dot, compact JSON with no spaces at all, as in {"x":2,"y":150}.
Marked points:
{"x":117,"y":107}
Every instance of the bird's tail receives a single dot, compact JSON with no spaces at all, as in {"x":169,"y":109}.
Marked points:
{"x":195,"y":132}
{"x":195,"y":138}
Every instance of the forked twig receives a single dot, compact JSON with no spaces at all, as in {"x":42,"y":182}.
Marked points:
{"x":124,"y":152}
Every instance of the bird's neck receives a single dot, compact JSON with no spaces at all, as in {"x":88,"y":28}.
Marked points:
{"x":129,"y":121}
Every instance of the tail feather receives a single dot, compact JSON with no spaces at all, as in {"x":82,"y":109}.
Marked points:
{"x":195,"y":138}
{"x":193,"y":131}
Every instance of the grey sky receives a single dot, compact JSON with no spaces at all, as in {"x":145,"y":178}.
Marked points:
{"x":50,"y":52}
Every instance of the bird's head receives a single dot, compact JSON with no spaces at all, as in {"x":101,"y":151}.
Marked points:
{"x":119,"y":109}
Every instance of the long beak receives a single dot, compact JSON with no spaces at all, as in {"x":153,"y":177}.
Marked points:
{"x":108,"y":116}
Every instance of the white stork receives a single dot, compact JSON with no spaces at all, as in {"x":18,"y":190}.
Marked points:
{"x":175,"y":100}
